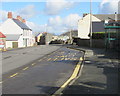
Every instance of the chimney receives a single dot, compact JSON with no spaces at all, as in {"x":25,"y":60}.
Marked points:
{"x":10,"y":15}
{"x":85,"y":14}
{"x":24,"y":21}
{"x":19,"y":18}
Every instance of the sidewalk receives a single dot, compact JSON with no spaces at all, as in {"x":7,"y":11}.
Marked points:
{"x":99,"y":74}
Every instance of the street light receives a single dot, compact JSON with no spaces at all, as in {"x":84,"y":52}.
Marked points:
{"x":90,"y":23}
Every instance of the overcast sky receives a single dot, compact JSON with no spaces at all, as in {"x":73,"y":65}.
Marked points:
{"x":55,"y":16}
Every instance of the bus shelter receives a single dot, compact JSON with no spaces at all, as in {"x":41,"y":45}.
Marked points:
{"x":112,"y":36}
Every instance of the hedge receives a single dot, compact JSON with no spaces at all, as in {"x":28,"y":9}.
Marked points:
{"x":98,"y":35}
{"x":101,"y":35}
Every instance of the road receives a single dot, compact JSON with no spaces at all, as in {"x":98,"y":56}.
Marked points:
{"x":38,"y":71}
{"x":24,"y":56}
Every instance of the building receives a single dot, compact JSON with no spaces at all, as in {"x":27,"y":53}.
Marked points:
{"x":37,"y":38}
{"x":12,"y":40}
{"x":84,"y":26}
{"x":44,"y":38}
{"x":99,"y":19}
{"x":18,"y":34}
{"x":2,"y":41}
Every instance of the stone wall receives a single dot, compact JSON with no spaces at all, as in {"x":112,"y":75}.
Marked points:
{"x":96,"y":43}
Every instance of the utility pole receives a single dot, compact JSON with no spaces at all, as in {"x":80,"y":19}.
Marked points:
{"x":91,"y":23}
{"x":46,"y":38}
{"x":71,"y":36}
{"x":70,"y":30}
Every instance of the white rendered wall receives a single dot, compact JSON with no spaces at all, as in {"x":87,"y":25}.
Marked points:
{"x":20,"y":42}
{"x":10,"y":27}
{"x":27,"y":34}
{"x":9,"y":44}
{"x":84,"y":26}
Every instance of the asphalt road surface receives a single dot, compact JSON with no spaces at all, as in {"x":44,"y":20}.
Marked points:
{"x":15,"y":58}
{"x":43,"y":75}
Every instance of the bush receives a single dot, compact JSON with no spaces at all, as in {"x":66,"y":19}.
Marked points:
{"x":101,"y":35}
{"x":98,"y":35}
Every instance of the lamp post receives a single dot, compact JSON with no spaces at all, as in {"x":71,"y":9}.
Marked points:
{"x":90,"y":23}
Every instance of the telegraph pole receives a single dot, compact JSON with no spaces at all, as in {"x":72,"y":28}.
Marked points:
{"x":70,"y":31}
{"x":71,"y":36}
{"x":91,"y":23}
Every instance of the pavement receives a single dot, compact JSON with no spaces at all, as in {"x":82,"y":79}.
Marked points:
{"x":99,"y":74}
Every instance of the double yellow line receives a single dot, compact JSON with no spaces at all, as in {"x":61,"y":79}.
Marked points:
{"x":73,"y":76}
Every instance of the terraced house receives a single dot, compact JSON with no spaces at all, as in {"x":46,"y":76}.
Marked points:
{"x":18,"y":34}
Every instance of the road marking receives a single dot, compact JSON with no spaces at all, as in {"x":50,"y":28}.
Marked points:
{"x":81,"y":58}
{"x":62,"y":56}
{"x":1,"y":82}
{"x":73,"y":76}
{"x":40,"y":60}
{"x":72,"y":59}
{"x":33,"y":64}
{"x":14,"y":75}
{"x":25,"y":68}
{"x":75,"y":59}
{"x":49,"y":59}
{"x":55,"y":59}
{"x":66,"y":58}
{"x":48,"y":55}
{"x":44,"y":57}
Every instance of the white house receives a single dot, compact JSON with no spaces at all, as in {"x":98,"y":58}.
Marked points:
{"x":97,"y":19}
{"x":18,"y":34}
{"x":84,"y":26}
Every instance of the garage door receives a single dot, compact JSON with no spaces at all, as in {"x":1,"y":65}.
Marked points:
{"x":14,"y":44}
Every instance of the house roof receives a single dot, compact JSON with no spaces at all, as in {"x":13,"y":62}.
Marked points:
{"x":98,"y":27}
{"x":21,"y":24}
{"x":12,"y":37}
{"x":106,"y":16}
{"x":2,"y":35}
